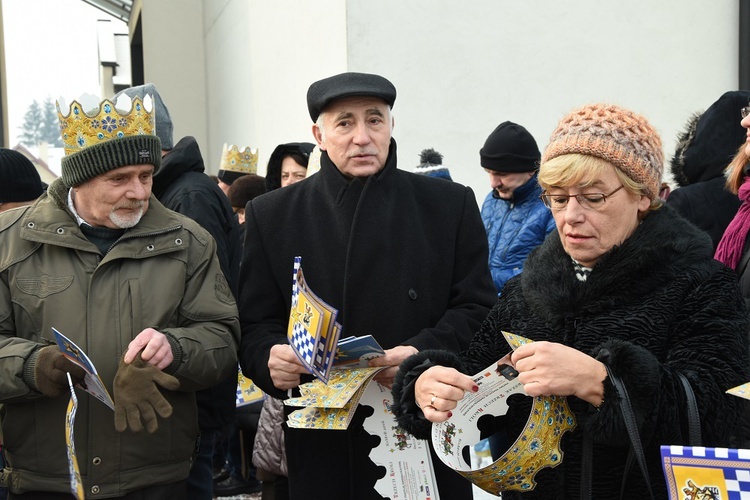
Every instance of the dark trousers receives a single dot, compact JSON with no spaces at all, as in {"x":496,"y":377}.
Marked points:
{"x":201,"y":478}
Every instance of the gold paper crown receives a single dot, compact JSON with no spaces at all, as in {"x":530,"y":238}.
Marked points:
{"x":236,"y":160}
{"x":104,"y":121}
{"x":537,"y":447}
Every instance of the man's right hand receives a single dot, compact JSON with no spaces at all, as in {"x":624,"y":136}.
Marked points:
{"x":285,"y":367}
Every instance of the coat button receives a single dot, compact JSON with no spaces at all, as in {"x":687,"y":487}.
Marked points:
{"x":412,"y":294}
{"x":95,"y":489}
{"x":96,"y":461}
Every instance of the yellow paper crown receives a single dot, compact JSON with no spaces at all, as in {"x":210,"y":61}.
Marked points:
{"x":104,"y":121}
{"x":239,"y":160}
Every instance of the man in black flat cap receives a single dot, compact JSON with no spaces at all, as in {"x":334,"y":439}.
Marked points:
{"x":401,"y":256}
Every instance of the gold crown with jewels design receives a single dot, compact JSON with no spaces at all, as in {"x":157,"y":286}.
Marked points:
{"x":536,"y":448}
{"x":104,"y":120}
{"x":243,"y":160}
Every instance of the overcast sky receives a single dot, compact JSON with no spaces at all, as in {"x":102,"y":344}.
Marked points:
{"x":51,"y":51}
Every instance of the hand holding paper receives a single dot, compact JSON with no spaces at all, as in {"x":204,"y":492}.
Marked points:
{"x":392,"y":359}
{"x":51,"y":369}
{"x":439,"y":389}
{"x":285,"y":367}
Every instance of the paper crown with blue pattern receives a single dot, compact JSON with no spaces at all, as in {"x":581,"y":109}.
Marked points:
{"x":99,"y":136}
{"x":243,"y":160}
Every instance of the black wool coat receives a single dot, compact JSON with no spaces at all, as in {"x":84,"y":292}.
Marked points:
{"x":401,"y":256}
{"x":656,"y":305}
{"x":181,"y":185}
{"x":706,"y":204}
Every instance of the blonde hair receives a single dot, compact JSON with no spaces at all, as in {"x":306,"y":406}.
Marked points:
{"x":575,"y":169}
{"x":736,"y":170}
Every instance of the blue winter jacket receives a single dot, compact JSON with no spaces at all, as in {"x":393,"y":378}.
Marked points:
{"x":514,"y":228}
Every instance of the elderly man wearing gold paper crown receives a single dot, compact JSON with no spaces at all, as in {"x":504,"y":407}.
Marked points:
{"x":624,"y":299}
{"x":135,"y":286}
{"x":402,"y":256}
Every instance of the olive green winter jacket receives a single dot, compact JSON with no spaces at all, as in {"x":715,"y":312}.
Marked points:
{"x":164,"y":274}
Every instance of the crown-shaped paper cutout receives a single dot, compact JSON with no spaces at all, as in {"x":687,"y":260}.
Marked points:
{"x":243,"y":160}
{"x":104,"y":120}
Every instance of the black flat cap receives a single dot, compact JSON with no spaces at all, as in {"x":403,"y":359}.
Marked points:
{"x":323,"y":92}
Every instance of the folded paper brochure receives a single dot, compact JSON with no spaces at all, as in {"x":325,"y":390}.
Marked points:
{"x":313,"y":331}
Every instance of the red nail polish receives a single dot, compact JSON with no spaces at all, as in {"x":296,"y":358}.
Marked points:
{"x":475,"y":388}
{"x":450,"y":414}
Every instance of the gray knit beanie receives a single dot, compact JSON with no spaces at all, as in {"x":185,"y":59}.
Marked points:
{"x":164,"y":128}
{"x":87,"y":163}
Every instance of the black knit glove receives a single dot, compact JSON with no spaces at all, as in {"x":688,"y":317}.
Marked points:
{"x":137,"y":396}
{"x":50,"y":369}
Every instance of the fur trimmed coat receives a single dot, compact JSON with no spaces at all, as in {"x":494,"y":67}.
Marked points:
{"x":656,"y":305}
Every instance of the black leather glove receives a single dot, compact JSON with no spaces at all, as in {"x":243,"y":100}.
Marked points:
{"x":137,"y":396}
{"x":50,"y":369}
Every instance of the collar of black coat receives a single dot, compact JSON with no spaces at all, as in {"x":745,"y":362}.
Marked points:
{"x":660,"y":250}
{"x":332,"y":173}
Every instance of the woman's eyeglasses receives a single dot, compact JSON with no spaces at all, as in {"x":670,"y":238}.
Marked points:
{"x":745,"y":111}
{"x":593,"y":201}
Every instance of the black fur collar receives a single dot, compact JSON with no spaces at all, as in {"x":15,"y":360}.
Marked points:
{"x":660,"y":249}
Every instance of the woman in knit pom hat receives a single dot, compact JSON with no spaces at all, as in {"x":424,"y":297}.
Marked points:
{"x":624,"y":294}
{"x":431,"y":165}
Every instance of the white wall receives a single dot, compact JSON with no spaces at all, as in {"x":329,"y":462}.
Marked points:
{"x":174,"y":61}
{"x":460,"y":68}
{"x":261,"y":57}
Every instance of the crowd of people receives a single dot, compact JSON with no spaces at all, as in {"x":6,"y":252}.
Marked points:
{"x":172,"y":281}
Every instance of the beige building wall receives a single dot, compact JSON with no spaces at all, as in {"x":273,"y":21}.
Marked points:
{"x":174,"y":60}
{"x":237,"y":71}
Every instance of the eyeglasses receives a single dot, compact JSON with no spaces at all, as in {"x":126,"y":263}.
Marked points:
{"x":745,"y":111}
{"x":593,"y":201}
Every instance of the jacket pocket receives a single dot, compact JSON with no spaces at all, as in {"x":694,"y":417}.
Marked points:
{"x":136,"y":310}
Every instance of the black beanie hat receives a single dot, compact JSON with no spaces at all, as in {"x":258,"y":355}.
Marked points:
{"x":510,"y":148}
{"x":87,"y":163}
{"x":19,"y":179}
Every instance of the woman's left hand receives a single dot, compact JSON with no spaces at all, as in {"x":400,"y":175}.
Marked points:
{"x":552,"y":369}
